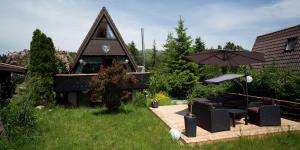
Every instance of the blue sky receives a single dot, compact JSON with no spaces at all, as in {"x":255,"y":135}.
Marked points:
{"x":216,"y":22}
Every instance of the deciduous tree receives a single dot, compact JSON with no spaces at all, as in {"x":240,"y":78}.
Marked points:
{"x":109,"y":85}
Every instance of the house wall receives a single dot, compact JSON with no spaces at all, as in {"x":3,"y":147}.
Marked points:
{"x":76,"y":86}
{"x":94,"y":48}
{"x":273,"y":46}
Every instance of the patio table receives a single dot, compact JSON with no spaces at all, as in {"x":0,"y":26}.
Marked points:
{"x":234,"y":112}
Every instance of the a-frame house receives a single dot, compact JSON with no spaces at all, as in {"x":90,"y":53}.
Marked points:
{"x":102,"y":44}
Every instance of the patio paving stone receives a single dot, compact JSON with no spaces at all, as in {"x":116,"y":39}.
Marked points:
{"x":173,"y":117}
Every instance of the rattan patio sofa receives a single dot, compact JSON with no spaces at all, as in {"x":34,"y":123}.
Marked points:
{"x":210,"y":118}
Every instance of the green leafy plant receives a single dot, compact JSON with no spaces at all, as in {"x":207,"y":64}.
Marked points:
{"x":162,"y":98}
{"x":208,"y":90}
{"x":19,"y":120}
{"x":109,"y":85}
{"x":139,"y":99}
{"x":159,"y":81}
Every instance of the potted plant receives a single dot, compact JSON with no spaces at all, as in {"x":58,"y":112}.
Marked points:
{"x":154,"y":103}
{"x":190,"y":121}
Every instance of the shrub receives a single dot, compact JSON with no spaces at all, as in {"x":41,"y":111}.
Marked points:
{"x":38,"y":90}
{"x":272,"y":82}
{"x":139,"y":99}
{"x":177,"y":84}
{"x":18,"y":116}
{"x":207,"y":90}
{"x":109,"y":83}
{"x":162,"y":98}
{"x":210,"y":71}
{"x":19,"y":122}
{"x":159,"y":81}
{"x":182,"y":83}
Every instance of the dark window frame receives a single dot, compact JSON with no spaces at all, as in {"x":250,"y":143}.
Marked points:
{"x":291,"y":44}
{"x":104,"y":30}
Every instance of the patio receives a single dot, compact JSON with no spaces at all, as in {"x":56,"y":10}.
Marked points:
{"x":173,"y":117}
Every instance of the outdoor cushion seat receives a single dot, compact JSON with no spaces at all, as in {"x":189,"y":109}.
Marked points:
{"x":264,"y":115}
{"x":253,"y":109}
{"x":211,"y":118}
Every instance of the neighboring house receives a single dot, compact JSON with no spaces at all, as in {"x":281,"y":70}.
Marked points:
{"x":7,"y":87}
{"x":281,"y":47}
{"x":102,"y":44}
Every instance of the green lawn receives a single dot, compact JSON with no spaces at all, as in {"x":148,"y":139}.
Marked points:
{"x":131,"y":128}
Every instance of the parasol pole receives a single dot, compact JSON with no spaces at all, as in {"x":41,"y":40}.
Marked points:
{"x":246,"y":87}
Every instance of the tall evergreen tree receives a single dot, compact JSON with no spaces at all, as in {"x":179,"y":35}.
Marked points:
{"x":219,"y":47}
{"x":176,"y":48}
{"x":3,"y":58}
{"x":183,"y":71}
{"x":199,"y":45}
{"x":232,"y":46}
{"x":134,"y":51}
{"x":42,"y":67}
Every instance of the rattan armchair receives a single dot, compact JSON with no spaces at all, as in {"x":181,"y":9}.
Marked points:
{"x":264,"y":115}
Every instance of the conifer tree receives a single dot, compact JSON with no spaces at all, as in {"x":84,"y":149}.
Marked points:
{"x":199,"y":45}
{"x":232,"y":46}
{"x":134,"y":51}
{"x":41,"y":69}
{"x":183,"y":71}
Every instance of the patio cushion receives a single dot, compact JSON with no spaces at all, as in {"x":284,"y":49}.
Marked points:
{"x":253,"y":109}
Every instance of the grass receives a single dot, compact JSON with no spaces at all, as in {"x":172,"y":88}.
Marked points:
{"x":130,"y":128}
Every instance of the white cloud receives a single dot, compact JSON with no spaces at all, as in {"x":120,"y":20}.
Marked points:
{"x":222,"y":22}
{"x":67,"y":22}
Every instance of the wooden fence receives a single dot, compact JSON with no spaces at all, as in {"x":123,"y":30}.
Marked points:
{"x":289,"y":109}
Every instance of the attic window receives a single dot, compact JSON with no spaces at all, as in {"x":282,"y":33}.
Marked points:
{"x":291,"y":44}
{"x":104,"y":30}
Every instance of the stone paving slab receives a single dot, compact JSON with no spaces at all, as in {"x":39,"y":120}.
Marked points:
{"x":173,"y":116}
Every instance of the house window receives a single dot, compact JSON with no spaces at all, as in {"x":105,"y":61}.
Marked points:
{"x":291,"y":44}
{"x":90,"y":65}
{"x":104,"y":30}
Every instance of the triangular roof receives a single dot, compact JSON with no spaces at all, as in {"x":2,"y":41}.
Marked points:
{"x":104,"y":14}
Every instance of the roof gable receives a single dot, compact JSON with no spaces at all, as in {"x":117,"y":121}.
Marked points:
{"x":94,"y":40}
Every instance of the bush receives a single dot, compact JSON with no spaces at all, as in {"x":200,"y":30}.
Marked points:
{"x":159,"y":81}
{"x":19,"y":121}
{"x":207,"y":90}
{"x":162,"y":98}
{"x":182,"y":83}
{"x":139,"y":99}
{"x":210,"y":71}
{"x":38,"y":90}
{"x":177,"y":84}
{"x":272,"y":82}
{"x":109,"y":83}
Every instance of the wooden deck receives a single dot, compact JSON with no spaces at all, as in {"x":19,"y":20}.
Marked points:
{"x":173,"y":116}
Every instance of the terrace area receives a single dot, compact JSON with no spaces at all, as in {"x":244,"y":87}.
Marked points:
{"x":173,"y":117}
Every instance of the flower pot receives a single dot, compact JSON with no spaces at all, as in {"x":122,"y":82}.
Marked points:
{"x":154,"y":104}
{"x":190,"y":123}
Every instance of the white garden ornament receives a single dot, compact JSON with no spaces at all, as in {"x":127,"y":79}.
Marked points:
{"x":249,"y":79}
{"x":175,"y":134}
